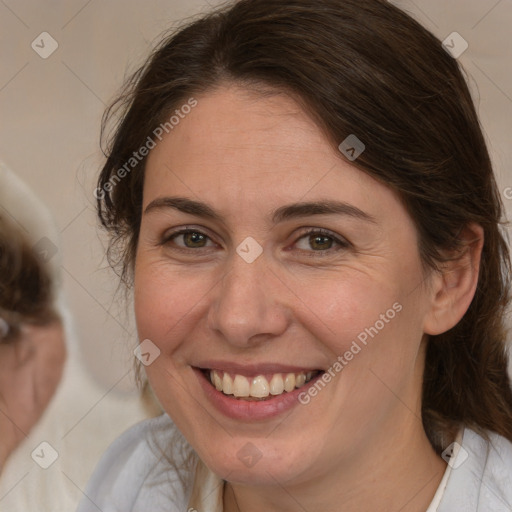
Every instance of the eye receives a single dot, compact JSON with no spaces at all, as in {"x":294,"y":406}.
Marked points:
{"x":188,"y":239}
{"x":321,"y":241}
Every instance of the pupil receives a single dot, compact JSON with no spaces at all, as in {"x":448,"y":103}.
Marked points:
{"x":320,"y":242}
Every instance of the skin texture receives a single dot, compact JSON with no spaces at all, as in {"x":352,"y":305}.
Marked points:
{"x":300,"y":303}
{"x":30,"y":370}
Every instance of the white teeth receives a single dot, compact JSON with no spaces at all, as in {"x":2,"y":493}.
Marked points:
{"x":216,"y":380}
{"x":289,"y":382}
{"x":300,"y":380}
{"x":241,"y":386}
{"x":276,"y":384}
{"x":227,"y":384}
{"x":259,"y":387}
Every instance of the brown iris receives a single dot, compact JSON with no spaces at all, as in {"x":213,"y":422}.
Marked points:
{"x":194,"y":239}
{"x":319,"y":242}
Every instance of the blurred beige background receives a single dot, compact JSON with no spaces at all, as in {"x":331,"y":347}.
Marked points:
{"x":50,"y":111}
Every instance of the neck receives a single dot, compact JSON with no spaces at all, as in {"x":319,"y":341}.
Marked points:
{"x":398,"y":471}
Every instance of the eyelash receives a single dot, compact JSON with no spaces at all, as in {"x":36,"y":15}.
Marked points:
{"x":341,"y":242}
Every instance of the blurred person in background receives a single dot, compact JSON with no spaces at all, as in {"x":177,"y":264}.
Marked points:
{"x":32,"y":341}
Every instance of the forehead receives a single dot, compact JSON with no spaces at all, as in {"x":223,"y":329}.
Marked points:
{"x":237,"y":148}
{"x":233,"y":122}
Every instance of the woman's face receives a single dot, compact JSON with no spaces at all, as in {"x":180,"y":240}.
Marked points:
{"x":293,"y":262}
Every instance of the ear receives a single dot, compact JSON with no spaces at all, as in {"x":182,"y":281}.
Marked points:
{"x":453,"y":286}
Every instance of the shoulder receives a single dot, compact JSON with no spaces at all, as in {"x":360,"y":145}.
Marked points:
{"x":481,"y":475}
{"x":136,"y":474}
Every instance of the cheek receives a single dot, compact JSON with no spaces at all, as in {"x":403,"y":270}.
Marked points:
{"x":167,"y":301}
{"x":371,"y":325}
{"x":379,"y":357}
{"x":347,"y":307}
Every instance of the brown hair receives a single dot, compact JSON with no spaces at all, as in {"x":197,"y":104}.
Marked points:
{"x":359,"y":67}
{"x":25,"y":284}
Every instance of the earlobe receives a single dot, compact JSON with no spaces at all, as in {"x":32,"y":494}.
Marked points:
{"x":453,"y":287}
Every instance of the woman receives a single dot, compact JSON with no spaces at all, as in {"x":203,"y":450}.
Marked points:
{"x":32,"y":344}
{"x":302,"y":198}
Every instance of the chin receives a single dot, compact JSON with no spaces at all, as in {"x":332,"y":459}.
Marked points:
{"x":255,"y":462}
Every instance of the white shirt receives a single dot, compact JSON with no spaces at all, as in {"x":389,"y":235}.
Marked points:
{"x":134,"y":475}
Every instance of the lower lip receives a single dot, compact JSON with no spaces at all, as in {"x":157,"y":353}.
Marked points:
{"x":240,"y":409}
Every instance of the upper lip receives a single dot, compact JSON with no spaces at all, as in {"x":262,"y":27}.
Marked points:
{"x":253,"y":369}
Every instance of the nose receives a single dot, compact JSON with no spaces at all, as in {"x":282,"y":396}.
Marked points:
{"x":248,"y":305}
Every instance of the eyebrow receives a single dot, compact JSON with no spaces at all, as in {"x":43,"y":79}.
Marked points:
{"x":287,"y":212}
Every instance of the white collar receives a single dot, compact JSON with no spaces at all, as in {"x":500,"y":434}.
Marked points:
{"x":208,"y":491}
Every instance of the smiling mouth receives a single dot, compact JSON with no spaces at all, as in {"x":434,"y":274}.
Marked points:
{"x":260,"y":387}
